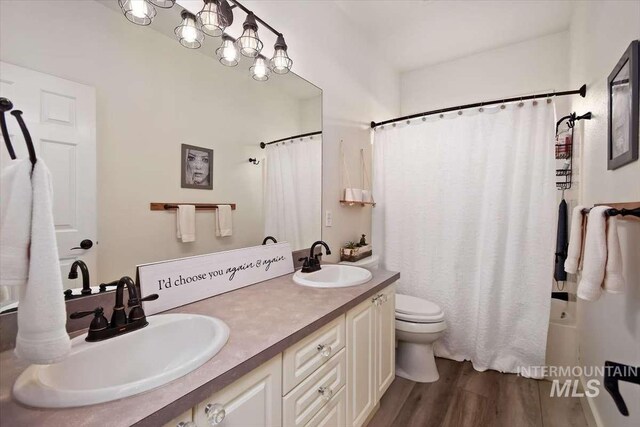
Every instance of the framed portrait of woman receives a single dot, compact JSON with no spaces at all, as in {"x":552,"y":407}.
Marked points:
{"x":624,"y":109}
{"x":197,"y":167}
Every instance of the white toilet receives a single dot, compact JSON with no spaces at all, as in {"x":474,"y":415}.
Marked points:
{"x":419,"y":323}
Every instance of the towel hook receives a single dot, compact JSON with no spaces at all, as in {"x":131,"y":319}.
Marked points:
{"x":6,"y":105}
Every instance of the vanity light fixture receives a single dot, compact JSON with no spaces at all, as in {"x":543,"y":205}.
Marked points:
{"x":215,"y":17}
{"x":259,"y":70}
{"x":227,"y":53}
{"x":188,"y":32}
{"x":280,"y":62}
{"x":140,"y":12}
{"x":249,"y":43}
{"x":164,"y":4}
{"x":213,"y":20}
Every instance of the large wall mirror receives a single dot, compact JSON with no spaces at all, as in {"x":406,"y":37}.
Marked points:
{"x":124,"y":116}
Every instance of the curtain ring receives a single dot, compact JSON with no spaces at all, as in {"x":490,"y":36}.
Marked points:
{"x":481,"y":109}
{"x":424,"y":118}
{"x":408,"y":122}
{"x":520,"y":104}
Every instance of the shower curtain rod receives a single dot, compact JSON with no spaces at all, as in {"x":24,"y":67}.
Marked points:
{"x":302,"y":135}
{"x":582,"y":92}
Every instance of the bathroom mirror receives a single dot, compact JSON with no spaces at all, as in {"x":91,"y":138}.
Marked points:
{"x":124,"y":116}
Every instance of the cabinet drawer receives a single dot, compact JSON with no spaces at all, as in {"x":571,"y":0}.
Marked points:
{"x":304,"y":401}
{"x":334,"y":413}
{"x":304,"y":357}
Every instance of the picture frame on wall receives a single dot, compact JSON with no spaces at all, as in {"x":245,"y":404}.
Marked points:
{"x":624,"y":110}
{"x":197,"y":167}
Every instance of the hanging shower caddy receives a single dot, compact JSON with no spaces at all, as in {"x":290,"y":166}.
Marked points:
{"x":564,"y":150}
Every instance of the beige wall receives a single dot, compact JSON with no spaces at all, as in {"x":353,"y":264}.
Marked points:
{"x":357,"y":87}
{"x":532,"y":66}
{"x":608,"y":329}
{"x":153,"y":95}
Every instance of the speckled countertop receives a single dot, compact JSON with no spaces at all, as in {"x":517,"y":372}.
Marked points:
{"x":264,"y":320}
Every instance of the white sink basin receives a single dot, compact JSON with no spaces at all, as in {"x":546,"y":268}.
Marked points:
{"x":172,"y":345}
{"x":333,"y":276}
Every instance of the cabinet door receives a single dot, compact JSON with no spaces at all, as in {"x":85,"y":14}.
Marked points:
{"x":385,"y":340}
{"x":361,"y":387}
{"x":253,"y":400}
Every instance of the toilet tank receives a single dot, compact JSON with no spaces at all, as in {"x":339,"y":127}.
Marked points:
{"x":370,"y":263}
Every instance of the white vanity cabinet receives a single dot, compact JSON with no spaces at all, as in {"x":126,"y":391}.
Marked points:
{"x":182,"y":420}
{"x":385,"y":340}
{"x":370,"y":354}
{"x":253,"y":400}
{"x":334,"y":377}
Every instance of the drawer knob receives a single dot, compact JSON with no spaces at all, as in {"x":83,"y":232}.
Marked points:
{"x":215,"y":413}
{"x":325,"y":392}
{"x":382,"y":298}
{"x":324,"y":350}
{"x":186,"y":424}
{"x":376,"y":300}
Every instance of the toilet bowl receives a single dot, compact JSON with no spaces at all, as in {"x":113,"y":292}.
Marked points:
{"x":419,"y":323}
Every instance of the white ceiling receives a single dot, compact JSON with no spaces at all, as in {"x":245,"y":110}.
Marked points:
{"x":411,"y":34}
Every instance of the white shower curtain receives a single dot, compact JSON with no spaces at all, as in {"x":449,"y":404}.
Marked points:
{"x":293,"y":192}
{"x":465,"y":211}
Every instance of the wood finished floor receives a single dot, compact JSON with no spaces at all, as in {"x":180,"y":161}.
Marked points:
{"x":464,"y":397}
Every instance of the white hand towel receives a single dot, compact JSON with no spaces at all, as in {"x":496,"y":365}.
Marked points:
{"x":575,"y":242}
{"x":224,"y":225}
{"x":613,"y":278}
{"x":595,"y":255}
{"x":42,"y":336}
{"x":15,"y":224}
{"x":186,"y":223}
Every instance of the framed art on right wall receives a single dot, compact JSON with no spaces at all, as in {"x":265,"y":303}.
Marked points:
{"x":624,"y":110}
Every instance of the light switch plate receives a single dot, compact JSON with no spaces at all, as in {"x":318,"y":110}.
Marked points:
{"x":328,"y":219}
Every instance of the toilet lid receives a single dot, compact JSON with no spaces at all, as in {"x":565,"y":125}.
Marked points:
{"x":412,"y":309}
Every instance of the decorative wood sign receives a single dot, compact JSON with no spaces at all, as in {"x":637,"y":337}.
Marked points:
{"x":186,"y":280}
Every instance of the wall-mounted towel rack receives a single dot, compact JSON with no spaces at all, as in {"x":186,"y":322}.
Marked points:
{"x":164,"y":206}
{"x":623,"y":210}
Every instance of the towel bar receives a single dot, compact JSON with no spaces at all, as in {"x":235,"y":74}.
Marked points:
{"x":163,"y":206}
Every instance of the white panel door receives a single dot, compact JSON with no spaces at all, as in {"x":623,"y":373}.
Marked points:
{"x":61,"y":117}
{"x":361,"y":359}
{"x":385,"y":340}
{"x":254,"y":400}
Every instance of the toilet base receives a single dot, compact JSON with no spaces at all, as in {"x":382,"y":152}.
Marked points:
{"x":416,"y":362}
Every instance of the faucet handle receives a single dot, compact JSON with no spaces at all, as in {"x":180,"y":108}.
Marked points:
{"x":98,"y":323}
{"x":151,"y":297}
{"x":306,"y":261}
{"x":104,"y":286}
